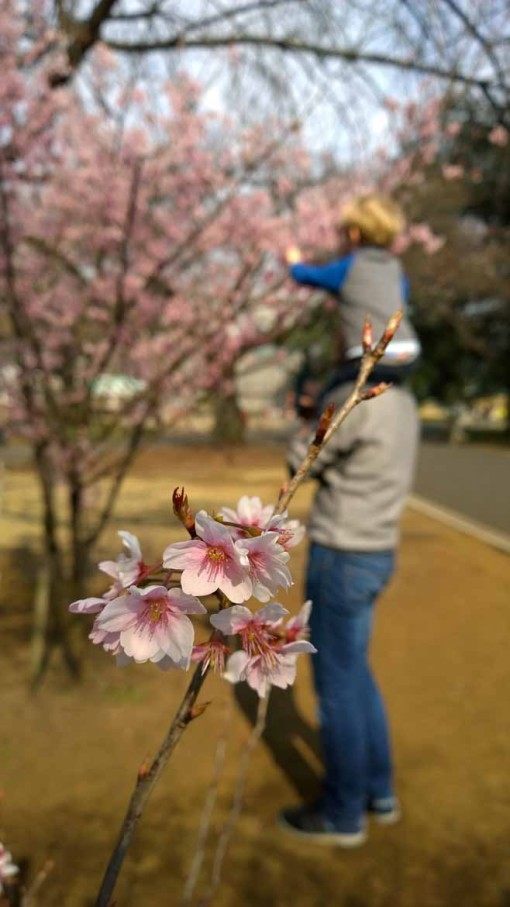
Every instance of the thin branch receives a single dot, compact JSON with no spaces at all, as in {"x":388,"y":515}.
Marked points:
{"x":475,"y":32}
{"x":294,"y":45}
{"x":120,"y":307}
{"x":209,"y":804}
{"x":29,"y":898}
{"x":237,"y":800}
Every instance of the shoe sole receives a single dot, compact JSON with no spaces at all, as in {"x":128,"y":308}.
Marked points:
{"x":389,"y":818}
{"x":347,"y":841}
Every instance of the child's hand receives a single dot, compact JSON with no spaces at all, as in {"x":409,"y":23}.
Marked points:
{"x":293,"y":255}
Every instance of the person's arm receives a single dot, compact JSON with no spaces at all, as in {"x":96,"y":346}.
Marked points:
{"x":405,"y":288}
{"x":329,"y":277}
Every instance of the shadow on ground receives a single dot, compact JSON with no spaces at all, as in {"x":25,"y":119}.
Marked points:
{"x":290,"y":739}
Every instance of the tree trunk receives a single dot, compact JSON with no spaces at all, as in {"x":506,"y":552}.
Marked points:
{"x":230,"y":424}
{"x":80,"y":550}
{"x":50,"y":626}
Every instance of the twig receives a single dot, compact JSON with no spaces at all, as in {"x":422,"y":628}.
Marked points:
{"x":331,"y":421}
{"x":209,"y":804}
{"x":237,"y":800}
{"x":28,"y":899}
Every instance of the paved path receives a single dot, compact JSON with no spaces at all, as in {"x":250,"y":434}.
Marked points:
{"x":475,"y":481}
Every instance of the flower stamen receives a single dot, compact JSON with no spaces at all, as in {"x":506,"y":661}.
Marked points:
{"x":216,"y":554}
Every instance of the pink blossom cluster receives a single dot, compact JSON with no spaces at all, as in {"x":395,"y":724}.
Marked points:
{"x":268,"y":651}
{"x":240,"y":554}
{"x":8,"y":869}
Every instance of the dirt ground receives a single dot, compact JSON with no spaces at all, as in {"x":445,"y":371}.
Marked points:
{"x":68,"y":755}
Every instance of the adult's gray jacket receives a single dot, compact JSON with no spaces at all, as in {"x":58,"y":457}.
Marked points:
{"x":364,"y":473}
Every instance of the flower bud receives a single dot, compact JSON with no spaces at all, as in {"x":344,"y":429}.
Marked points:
{"x":376,"y":391}
{"x":367,"y":337}
{"x":324,"y":423}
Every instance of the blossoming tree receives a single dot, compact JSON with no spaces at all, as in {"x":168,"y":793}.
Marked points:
{"x":143,"y":246}
{"x":144,"y":241}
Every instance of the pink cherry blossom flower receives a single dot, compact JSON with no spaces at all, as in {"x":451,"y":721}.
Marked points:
{"x":452,"y":171}
{"x":212,"y":654}
{"x":129,"y":567}
{"x":257,"y":630}
{"x":211,"y":562}
{"x":151,"y":625}
{"x":290,"y":532}
{"x":434,"y":244}
{"x":127,"y":570}
{"x":109,"y":641}
{"x":267,"y":559}
{"x":498,"y":136}
{"x":249,"y":512}
{"x":297,"y":627}
{"x":8,"y":869}
{"x":267,"y":657}
{"x":261,"y":672}
{"x":87,"y":606}
{"x":453,"y":128}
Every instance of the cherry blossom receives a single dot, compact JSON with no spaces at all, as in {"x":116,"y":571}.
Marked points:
{"x":8,"y":869}
{"x":255,"y":629}
{"x":211,"y":562}
{"x":266,"y":658}
{"x":87,"y":605}
{"x":261,"y":672}
{"x":151,"y":624}
{"x":109,"y":641}
{"x":452,"y":171}
{"x":499,"y":136}
{"x":267,"y":560}
{"x":297,"y":627}
{"x":453,"y":128}
{"x":129,"y":567}
{"x":290,"y":532}
{"x":250,"y":511}
{"x":212,"y":654}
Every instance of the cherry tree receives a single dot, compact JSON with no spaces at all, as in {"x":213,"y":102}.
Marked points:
{"x":142,"y":240}
{"x":143,"y":245}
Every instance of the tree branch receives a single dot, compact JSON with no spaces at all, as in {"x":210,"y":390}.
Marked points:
{"x":294,"y":45}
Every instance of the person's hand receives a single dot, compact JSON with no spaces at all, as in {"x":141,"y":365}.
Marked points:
{"x":293,"y":255}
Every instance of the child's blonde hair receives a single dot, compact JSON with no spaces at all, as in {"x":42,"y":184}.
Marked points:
{"x":377,"y":217}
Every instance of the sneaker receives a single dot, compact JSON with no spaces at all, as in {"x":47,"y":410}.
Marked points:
{"x":385,"y":811}
{"x":308,"y":822}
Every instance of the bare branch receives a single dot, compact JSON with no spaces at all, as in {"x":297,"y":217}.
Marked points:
{"x":295,"y":46}
{"x":237,"y":800}
{"x":209,"y":804}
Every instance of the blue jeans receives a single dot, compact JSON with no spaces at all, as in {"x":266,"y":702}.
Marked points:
{"x":343,"y":587}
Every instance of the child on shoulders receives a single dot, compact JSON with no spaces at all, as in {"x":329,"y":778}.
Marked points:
{"x":368,"y":280}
